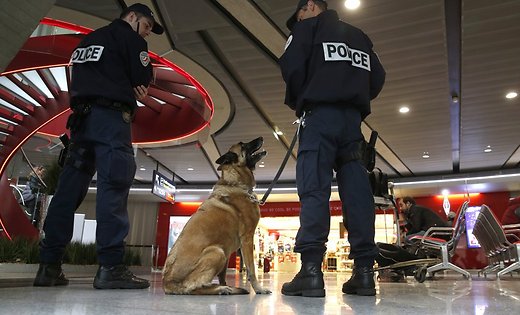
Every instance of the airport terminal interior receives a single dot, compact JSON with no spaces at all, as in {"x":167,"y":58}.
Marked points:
{"x":447,"y":135}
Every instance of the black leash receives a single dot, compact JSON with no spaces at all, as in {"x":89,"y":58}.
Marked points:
{"x":284,"y":162}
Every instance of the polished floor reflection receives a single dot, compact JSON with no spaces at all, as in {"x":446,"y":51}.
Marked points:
{"x":446,"y":294}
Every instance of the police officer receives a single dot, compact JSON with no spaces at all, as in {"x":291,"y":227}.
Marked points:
{"x":331,"y":73}
{"x":110,"y":70}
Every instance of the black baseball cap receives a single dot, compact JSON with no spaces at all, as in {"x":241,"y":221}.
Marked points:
{"x":145,"y":10}
{"x":292,"y":20}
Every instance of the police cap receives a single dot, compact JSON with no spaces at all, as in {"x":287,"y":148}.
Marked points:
{"x":144,"y":10}
{"x":292,"y":20}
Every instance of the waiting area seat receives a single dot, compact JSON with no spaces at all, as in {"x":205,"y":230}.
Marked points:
{"x":442,"y":247}
{"x":503,"y":256}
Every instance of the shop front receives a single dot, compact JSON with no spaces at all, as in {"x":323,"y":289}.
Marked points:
{"x":275,"y":236}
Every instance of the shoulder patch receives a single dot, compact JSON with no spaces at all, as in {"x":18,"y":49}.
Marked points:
{"x":145,"y":59}
{"x":289,"y":40}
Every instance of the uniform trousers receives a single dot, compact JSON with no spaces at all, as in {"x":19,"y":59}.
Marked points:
{"x":101,"y":143}
{"x":329,"y":131}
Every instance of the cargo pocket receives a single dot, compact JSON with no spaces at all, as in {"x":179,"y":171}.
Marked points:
{"x":122,"y":167}
{"x":307,"y":167}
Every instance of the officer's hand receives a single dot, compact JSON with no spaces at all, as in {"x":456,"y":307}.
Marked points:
{"x":140,"y":92}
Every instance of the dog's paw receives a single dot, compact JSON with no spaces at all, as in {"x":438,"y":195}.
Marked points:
{"x":262,"y":291}
{"x":225,"y":290}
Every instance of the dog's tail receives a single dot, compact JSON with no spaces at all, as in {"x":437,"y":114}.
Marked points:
{"x":216,"y":289}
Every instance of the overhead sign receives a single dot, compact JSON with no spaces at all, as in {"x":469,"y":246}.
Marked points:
{"x":163,"y":187}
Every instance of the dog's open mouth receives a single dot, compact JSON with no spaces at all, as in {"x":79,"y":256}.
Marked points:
{"x":253,"y":156}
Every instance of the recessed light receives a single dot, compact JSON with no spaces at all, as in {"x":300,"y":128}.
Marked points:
{"x":455,"y":98}
{"x":142,"y":168}
{"x":488,"y":149}
{"x":426,"y":155}
{"x":190,"y":169}
{"x":404,"y":109}
{"x":352,"y":4}
{"x":261,"y":165}
{"x":511,"y":95}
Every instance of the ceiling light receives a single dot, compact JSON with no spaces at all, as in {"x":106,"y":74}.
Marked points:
{"x":404,"y":109}
{"x":426,"y":155}
{"x":488,"y":149}
{"x":454,"y":98}
{"x":261,"y":165}
{"x":190,"y":169}
{"x":511,"y":95}
{"x":453,"y":180}
{"x":352,"y":4}
{"x":142,"y":168}
{"x":158,"y":100}
{"x":445,"y":192}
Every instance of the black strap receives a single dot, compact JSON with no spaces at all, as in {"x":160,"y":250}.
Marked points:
{"x":284,"y":162}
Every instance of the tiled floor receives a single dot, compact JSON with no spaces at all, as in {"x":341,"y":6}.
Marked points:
{"x":447,"y":294}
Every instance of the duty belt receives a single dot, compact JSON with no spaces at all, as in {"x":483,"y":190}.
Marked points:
{"x":126,"y":109}
{"x":103,"y":101}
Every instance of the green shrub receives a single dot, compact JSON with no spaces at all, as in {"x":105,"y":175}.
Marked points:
{"x":23,"y":250}
{"x":16,"y":250}
{"x":80,"y":254}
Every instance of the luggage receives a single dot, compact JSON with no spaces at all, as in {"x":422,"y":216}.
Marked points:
{"x":390,"y":254}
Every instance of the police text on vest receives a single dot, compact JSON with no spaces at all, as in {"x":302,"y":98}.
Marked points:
{"x":341,"y":52}
{"x":90,"y":53}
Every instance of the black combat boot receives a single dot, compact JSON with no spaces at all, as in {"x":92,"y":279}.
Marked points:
{"x":118,"y":277}
{"x":50,"y":275}
{"x":361,"y":282}
{"x":308,"y":282}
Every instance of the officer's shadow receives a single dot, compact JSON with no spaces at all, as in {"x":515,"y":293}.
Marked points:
{"x":354,"y":304}
{"x":331,"y":304}
{"x":303,"y":305}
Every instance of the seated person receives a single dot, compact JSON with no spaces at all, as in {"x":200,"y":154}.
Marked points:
{"x":418,"y":218}
{"x":31,"y":194}
{"x":512,"y":213}
{"x":512,"y":216}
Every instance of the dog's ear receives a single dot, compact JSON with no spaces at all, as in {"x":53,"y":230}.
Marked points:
{"x":227,"y":158}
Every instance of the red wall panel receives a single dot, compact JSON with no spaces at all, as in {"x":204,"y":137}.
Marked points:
{"x":464,"y":257}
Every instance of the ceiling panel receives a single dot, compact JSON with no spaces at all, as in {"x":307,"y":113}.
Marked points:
{"x":180,"y":159}
{"x":490,"y":50}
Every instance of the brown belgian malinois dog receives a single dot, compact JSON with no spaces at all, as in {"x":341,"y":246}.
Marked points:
{"x":225,"y":222}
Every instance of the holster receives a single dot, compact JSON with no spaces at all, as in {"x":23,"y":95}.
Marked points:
{"x":366,"y":152}
{"x":79,"y":113}
{"x":65,"y":151}
{"x":369,"y":152}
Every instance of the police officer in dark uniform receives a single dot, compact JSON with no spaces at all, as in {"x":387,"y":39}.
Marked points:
{"x":331,"y":73}
{"x":110,"y":70}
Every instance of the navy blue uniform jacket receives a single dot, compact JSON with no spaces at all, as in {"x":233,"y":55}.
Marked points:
{"x":110,"y":62}
{"x":328,"y":61}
